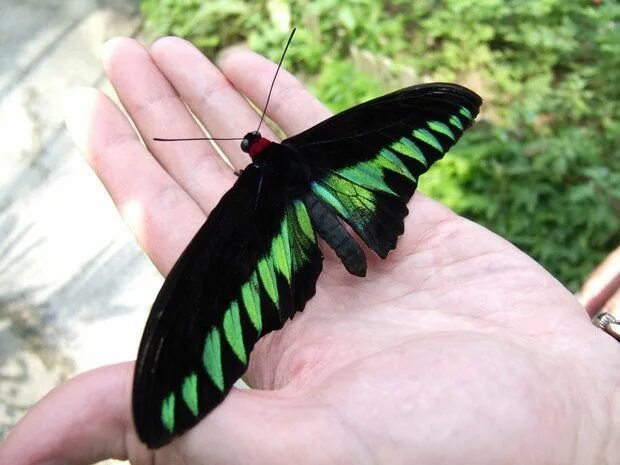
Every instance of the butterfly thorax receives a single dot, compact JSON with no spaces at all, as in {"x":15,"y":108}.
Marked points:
{"x":258,"y":146}
{"x":279,"y":165}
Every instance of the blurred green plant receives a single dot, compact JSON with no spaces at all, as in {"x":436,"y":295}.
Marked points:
{"x":542,"y":168}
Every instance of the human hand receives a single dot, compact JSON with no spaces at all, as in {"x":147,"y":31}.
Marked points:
{"x":456,"y":349}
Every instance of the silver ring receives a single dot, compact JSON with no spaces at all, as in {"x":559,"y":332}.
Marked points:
{"x":608,"y":323}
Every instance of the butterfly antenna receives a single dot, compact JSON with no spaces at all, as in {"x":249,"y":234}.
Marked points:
{"x":274,"y":78}
{"x":159,"y":139}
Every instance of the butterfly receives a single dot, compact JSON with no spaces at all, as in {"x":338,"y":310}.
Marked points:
{"x":256,"y":260}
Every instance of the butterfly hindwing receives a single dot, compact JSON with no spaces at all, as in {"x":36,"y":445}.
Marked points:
{"x":253,"y":263}
{"x":365,"y":162}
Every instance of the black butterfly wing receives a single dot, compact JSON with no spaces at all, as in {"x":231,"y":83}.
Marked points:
{"x":365,"y":162}
{"x":253,"y":263}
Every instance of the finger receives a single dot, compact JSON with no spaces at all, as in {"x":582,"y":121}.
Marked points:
{"x":216,"y":103}
{"x":88,"y":419}
{"x":157,"y":111}
{"x":149,"y":200}
{"x":83,"y":421}
{"x":292,"y":106}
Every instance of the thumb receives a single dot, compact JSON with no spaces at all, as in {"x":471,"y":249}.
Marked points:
{"x":88,"y":419}
{"x":82,"y":421}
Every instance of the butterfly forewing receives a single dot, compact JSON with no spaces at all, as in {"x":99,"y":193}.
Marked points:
{"x":365,"y":162}
{"x":250,"y":267}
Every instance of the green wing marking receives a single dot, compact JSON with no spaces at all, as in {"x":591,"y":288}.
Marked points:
{"x":250,"y":296}
{"x":167,"y":412}
{"x":303,"y":237}
{"x":212,"y":358}
{"x":456,"y":122}
{"x":189,"y":392}
{"x":354,"y":202}
{"x":407,"y":147}
{"x":441,"y":128}
{"x":466,"y":113}
{"x":300,"y":217}
{"x":281,"y":254}
{"x":267,"y":274}
{"x":387,"y":160}
{"x":428,"y":138}
{"x":233,"y":331}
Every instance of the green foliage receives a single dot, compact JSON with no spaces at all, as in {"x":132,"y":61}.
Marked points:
{"x":344,"y":93}
{"x":542,"y":168}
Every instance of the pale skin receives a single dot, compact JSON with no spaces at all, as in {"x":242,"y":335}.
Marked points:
{"x":458,"y":348}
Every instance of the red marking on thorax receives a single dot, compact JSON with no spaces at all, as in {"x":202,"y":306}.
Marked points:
{"x":258,"y":146}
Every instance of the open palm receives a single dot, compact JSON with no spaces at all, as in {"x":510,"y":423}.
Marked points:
{"x":456,"y":349}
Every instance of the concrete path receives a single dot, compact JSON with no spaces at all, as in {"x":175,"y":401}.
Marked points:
{"x":73,"y":283}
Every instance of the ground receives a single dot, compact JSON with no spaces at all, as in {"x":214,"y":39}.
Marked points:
{"x":73,"y":282}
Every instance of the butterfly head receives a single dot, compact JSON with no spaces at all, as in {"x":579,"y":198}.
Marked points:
{"x":253,"y":143}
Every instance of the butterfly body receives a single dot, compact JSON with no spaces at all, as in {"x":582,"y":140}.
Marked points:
{"x":256,"y":260}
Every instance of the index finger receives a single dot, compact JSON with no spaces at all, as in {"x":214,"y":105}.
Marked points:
{"x":292,"y":106}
